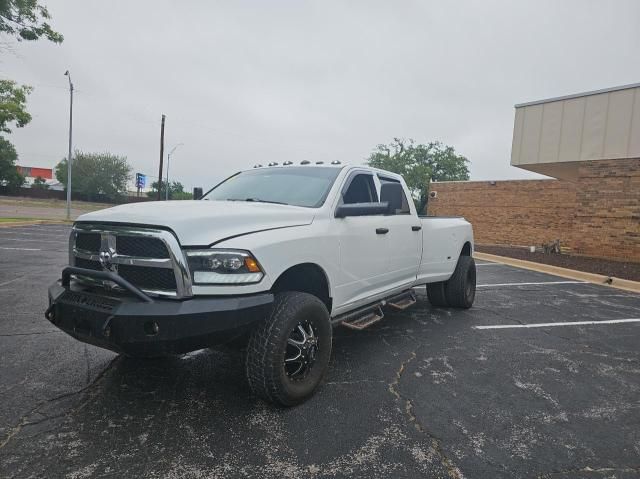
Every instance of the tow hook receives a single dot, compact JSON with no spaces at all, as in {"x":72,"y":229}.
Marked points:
{"x":50,"y":313}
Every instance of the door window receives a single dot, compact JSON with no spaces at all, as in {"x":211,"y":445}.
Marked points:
{"x":392,"y":192}
{"x":362,"y":189}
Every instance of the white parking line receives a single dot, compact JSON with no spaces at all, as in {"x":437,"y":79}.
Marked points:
{"x":548,"y":325}
{"x":490,"y":264}
{"x":13,"y":280}
{"x":20,"y":249}
{"x":530,"y":284}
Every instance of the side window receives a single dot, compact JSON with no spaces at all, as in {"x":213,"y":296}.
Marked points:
{"x":362,"y":189}
{"x":392,"y":192}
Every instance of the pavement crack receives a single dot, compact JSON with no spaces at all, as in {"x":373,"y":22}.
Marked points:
{"x":393,"y":386}
{"x":452,"y":469}
{"x":24,"y":420}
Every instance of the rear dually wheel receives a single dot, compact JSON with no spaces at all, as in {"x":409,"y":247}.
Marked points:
{"x":460,"y":290}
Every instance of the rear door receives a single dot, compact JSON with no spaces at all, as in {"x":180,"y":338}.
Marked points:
{"x":363,"y":244}
{"x":404,"y":239}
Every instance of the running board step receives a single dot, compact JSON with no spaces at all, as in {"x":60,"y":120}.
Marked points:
{"x":363,"y":320}
{"x":403,"y":301}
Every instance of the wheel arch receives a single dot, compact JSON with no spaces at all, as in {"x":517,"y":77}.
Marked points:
{"x":306,"y":278}
{"x":467,"y":249}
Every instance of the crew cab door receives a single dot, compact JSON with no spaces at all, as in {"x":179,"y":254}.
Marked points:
{"x":404,"y":247}
{"x":363,"y":244}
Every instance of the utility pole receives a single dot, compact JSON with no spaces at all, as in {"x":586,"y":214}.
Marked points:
{"x":68,"y":75}
{"x":161,"y":158}
{"x":168,"y":158}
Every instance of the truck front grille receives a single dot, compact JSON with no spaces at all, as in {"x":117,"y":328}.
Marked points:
{"x":88,"y":242}
{"x":141,"y":247}
{"x":149,"y":259}
{"x":148,"y":278}
{"x":88,"y":264}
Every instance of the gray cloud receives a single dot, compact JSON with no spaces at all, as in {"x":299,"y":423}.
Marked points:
{"x":252,"y":82}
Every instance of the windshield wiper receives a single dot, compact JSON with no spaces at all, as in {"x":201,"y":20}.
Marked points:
{"x":257,"y":200}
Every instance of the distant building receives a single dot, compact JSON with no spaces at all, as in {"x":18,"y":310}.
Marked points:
{"x":35,"y":172}
{"x":30,"y":173}
{"x":559,"y":136}
{"x":590,"y":142}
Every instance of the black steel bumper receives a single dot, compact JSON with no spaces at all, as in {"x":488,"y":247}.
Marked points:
{"x":139,"y":325}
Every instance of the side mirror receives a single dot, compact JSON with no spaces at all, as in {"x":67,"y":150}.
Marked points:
{"x":362,"y":209}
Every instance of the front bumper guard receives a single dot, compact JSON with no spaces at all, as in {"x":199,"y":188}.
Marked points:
{"x":137,"y":324}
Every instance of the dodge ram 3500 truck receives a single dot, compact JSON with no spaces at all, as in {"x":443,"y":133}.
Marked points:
{"x":271,"y":258}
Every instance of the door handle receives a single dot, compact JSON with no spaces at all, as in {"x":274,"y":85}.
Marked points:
{"x":382,"y":231}
{"x":416,"y":228}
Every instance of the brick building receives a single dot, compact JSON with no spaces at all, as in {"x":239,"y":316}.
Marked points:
{"x":591,"y":144}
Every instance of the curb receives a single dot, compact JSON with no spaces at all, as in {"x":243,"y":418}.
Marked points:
{"x":602,"y":280}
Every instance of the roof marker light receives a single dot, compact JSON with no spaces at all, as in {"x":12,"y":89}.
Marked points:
{"x":305,"y":162}
{"x":287,"y":163}
{"x":273,"y":163}
{"x":335,"y":162}
{"x":319,"y":162}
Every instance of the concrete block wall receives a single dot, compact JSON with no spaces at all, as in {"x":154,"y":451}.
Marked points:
{"x":598,"y":215}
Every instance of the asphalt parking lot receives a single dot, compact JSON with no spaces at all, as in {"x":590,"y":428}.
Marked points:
{"x":424,"y":393}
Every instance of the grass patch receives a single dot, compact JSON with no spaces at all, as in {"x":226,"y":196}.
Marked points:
{"x":14,"y":220}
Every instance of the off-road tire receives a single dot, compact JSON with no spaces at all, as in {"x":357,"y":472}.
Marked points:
{"x":436,"y":294}
{"x":266,"y":350}
{"x":461,"y":287}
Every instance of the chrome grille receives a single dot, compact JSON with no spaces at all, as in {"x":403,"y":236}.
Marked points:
{"x":149,"y":259}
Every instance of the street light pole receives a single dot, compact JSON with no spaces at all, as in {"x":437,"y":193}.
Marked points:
{"x":68,"y":75}
{"x":166,"y":190}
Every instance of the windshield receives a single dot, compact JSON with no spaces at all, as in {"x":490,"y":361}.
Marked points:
{"x":299,"y":186}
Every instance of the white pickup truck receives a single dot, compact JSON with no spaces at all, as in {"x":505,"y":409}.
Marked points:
{"x":269,"y":259}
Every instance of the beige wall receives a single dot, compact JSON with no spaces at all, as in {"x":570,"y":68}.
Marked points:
{"x":551,"y":136}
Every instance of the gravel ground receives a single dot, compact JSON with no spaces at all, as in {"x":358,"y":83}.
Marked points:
{"x":606,"y":267}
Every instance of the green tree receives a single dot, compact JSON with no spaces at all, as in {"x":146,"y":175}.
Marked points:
{"x":9,"y":175}
{"x":39,"y":183}
{"x":176,"y":191}
{"x":26,"y":20}
{"x":13,"y":104}
{"x":94,"y":174}
{"x":419,"y":164}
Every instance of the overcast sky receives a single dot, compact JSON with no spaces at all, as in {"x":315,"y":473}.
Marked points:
{"x":252,"y":82}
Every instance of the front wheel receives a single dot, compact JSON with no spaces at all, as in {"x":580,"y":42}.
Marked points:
{"x":289,"y":353}
{"x":461,"y":287}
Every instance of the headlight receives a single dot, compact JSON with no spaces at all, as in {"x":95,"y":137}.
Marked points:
{"x":211,"y":266}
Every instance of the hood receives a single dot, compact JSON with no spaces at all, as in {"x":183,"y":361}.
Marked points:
{"x":202,"y":222}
